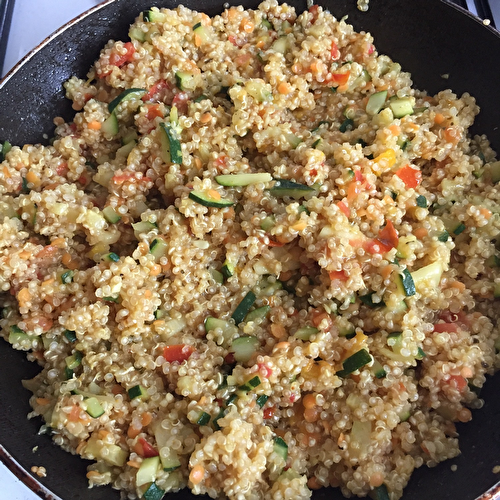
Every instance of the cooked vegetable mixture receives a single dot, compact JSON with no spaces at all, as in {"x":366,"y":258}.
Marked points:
{"x":257,"y":262}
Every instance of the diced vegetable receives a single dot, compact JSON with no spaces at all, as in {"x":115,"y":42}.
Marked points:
{"x":137,"y":392}
{"x":280,"y":45}
{"x":169,"y":459}
{"x":280,"y":448}
{"x":229,"y":330}
{"x":284,"y":187}
{"x":243,"y":179}
{"x":305,"y":332}
{"x":376,"y":102}
{"x":430,"y":274}
{"x":111,"y":257}
{"x":258,"y":90}
{"x":227,"y":269}
{"x":407,"y":282}
{"x":243,"y":307}
{"x":259,"y":313}
{"x":158,"y":248}
{"x":355,"y":362}
{"x":208,"y":199}
{"x":147,"y":471}
{"x":244,"y":347}
{"x":251,"y":384}
{"x":154,"y":492}
{"x":380,"y":493}
{"x":204,"y":418}
{"x":378,"y":370}
{"x":170,"y":144}
{"x":368,"y":300}
{"x":93,"y":407}
{"x":67,"y":277}
{"x":444,"y":237}
{"x":178,"y":352}
{"x":110,"y":125}
{"x":153,"y":16}
{"x":202,"y":32}
{"x":401,"y":107}
{"x":70,"y":335}
{"x":421,"y":201}
{"x":111,"y":215}
{"x":262,"y":400}
{"x":268,"y":223}
{"x":143,"y":227}
{"x":74,"y":360}
{"x":126,"y":95}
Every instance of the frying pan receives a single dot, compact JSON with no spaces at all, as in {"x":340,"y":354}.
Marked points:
{"x":430,"y":38}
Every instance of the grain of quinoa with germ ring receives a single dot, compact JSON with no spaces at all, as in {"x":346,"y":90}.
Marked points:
{"x":257,"y":263}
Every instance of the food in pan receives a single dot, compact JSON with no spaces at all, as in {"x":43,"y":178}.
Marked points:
{"x":256,"y":263}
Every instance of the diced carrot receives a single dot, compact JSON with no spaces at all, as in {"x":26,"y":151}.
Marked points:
{"x":133,"y":432}
{"x":214,"y":194}
{"x":282,"y":345}
{"x":158,"y":323}
{"x":247,"y":26}
{"x":395,"y":129}
{"x":344,"y":208}
{"x":155,"y":270}
{"x":42,"y":401}
{"x":66,"y":259}
{"x":340,"y":79}
{"x":206,"y":118}
{"x":33,"y":178}
{"x":386,"y":159}
{"x":466,"y":372}
{"x":74,"y":414}
{"x":410,"y":176}
{"x":58,"y":243}
{"x":334,"y":51}
{"x":485,"y":213}
{"x":24,"y":254}
{"x":317,"y":317}
{"x":420,"y":233}
{"x":284,"y":88}
{"x":458,"y":381}
{"x":452,"y":135}
{"x":278,"y":331}
{"x":24,"y":295}
{"x":385,"y":272}
{"x":134,"y":464}
{"x":94,"y":125}
{"x":6,"y":173}
{"x":197,"y":474}
{"x":439,"y":118}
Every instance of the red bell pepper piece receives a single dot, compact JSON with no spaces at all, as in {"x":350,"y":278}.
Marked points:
{"x":147,"y":450}
{"x":410,"y":176}
{"x":177,"y":352}
{"x":388,"y":235}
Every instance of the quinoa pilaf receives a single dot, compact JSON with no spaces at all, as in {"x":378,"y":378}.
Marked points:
{"x":257,"y":262}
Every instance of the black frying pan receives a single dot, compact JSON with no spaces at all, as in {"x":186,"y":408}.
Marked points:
{"x":429,"y":38}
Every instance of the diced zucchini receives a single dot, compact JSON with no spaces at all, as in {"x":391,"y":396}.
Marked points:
{"x":5,"y":147}
{"x":430,"y":274}
{"x":346,"y":328}
{"x":217,"y":276}
{"x":202,"y":31}
{"x":378,"y":370}
{"x":147,"y":471}
{"x":421,"y":201}
{"x":153,"y":16}
{"x":284,"y":187}
{"x":231,"y":400}
{"x":125,"y":150}
{"x":280,"y":45}
{"x":227,"y":269}
{"x":110,"y":125}
{"x":262,"y":400}
{"x":185,"y":80}
{"x":111,"y":257}
{"x":401,"y":107}
{"x":258,"y":90}
{"x":67,"y":277}
{"x":93,"y":407}
{"x":16,"y":335}
{"x":444,"y":237}
{"x":407,"y":283}
{"x":158,"y":248}
{"x":280,"y":448}
{"x":143,"y":227}
{"x":459,"y":229}
{"x":135,"y":33}
{"x":115,"y":455}
{"x":266,"y":24}
{"x":137,"y":392}
{"x":111,"y":215}
{"x":74,"y":360}
{"x":317,"y":143}
{"x":70,"y":335}
{"x":233,"y":180}
{"x":154,"y":492}
{"x":256,"y":314}
{"x":380,"y":493}
{"x":305,"y":332}
{"x":207,"y":200}
{"x":169,"y":459}
{"x":243,"y":307}
{"x":268,"y":223}
{"x":170,"y":144}
{"x":251,"y":384}
{"x":355,"y":362}
{"x":421,"y":354}
{"x":368,"y":300}
{"x":495,"y":171}
{"x":204,"y":418}
{"x":125,"y":96}
{"x":229,"y":330}
{"x":376,"y":102}
{"x":244,"y":348}
{"x":348,"y":123}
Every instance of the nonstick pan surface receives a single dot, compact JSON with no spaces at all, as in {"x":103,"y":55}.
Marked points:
{"x":429,"y":38}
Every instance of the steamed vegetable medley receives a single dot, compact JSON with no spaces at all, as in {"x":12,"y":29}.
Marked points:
{"x":256,"y":263}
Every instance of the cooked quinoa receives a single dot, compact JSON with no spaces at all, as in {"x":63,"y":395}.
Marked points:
{"x":322,"y":321}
